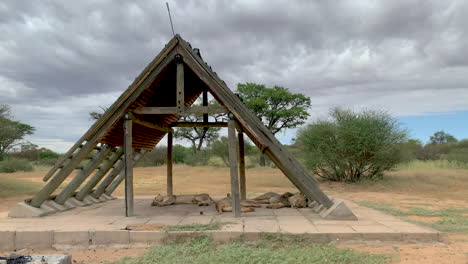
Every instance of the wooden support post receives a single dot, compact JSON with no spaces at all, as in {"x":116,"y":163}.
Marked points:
{"x":82,"y":175}
{"x":205,"y":103}
{"x":108,"y":179}
{"x":169,"y":164}
{"x":233,"y":154}
{"x":58,"y":178}
{"x":243,"y":190}
{"x":118,"y":180}
{"x":106,"y":166}
{"x":128,"y":159}
{"x":180,"y":84}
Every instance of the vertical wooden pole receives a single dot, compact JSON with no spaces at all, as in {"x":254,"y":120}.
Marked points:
{"x":180,"y":84}
{"x":233,"y":154}
{"x":128,"y":159}
{"x":169,"y":164}
{"x":205,"y":103}
{"x":243,"y":190}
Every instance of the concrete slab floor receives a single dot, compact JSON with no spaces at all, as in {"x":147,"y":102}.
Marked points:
{"x":97,"y":224}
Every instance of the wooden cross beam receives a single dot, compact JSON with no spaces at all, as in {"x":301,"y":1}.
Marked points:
{"x":149,"y":124}
{"x":200,"y":124}
{"x":211,"y":109}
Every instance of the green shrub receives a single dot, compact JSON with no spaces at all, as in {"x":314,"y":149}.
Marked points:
{"x":200,"y":158}
{"x":46,"y":161}
{"x":13,"y":165}
{"x":180,"y":153}
{"x":48,"y":155}
{"x":351,"y":146}
{"x":156,"y":157}
{"x":458,"y":154}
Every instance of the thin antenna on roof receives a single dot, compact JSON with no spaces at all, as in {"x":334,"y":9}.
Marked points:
{"x":170,"y":19}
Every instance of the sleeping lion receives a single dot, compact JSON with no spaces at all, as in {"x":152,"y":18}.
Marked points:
{"x":200,"y":199}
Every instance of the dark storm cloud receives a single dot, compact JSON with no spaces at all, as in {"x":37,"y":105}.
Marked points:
{"x":61,"y":59}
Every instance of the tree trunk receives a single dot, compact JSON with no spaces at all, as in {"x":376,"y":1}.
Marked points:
{"x":262,"y":160}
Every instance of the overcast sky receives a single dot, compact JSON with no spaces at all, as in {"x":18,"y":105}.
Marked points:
{"x":61,"y":59}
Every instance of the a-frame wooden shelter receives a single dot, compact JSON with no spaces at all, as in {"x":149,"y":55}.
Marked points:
{"x":143,"y":115}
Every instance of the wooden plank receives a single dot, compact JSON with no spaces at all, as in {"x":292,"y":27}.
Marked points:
{"x":143,"y":80}
{"x":55,"y":182}
{"x":205,"y":103}
{"x":128,"y":167}
{"x":233,"y":154}
{"x":170,"y":189}
{"x":148,"y":124}
{"x":200,"y":124}
{"x":147,"y":74}
{"x":101,"y":188}
{"x":156,"y":110}
{"x":70,"y":189}
{"x":97,"y":131}
{"x":242,"y":185}
{"x":211,"y":109}
{"x":180,"y":86}
{"x":61,"y":162}
{"x":106,"y":166}
{"x":255,"y":129}
{"x":118,"y":180}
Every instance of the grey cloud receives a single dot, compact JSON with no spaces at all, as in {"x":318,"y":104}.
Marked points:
{"x":352,"y":53}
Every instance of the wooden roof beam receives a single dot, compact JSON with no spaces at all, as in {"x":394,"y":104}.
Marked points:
{"x":149,"y":124}
{"x":188,"y":110}
{"x":199,"y":124}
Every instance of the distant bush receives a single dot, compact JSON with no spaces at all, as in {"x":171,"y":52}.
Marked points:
{"x":351,"y":146}
{"x":200,"y":158}
{"x":180,"y":153}
{"x":458,"y":154}
{"x":156,"y":157}
{"x":46,"y":162}
{"x":13,"y":165}
{"x":432,"y":164}
{"x":48,"y":155}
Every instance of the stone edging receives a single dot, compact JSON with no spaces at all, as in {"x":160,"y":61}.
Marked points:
{"x":61,"y":240}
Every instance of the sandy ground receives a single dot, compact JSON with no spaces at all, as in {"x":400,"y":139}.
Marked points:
{"x":151,"y":180}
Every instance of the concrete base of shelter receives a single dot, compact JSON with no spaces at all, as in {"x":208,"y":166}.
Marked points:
{"x":105,"y":225}
{"x":24,"y":210}
{"x":90,"y":199}
{"x":338,"y":211}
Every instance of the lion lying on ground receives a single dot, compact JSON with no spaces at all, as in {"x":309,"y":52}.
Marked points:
{"x":225,"y":205}
{"x":200,"y":199}
{"x":287,"y":199}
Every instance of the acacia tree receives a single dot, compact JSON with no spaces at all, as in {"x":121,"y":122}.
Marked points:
{"x":95,"y":115}
{"x":276,"y":107}
{"x":440,"y":137}
{"x":197,"y":136}
{"x":351,"y":146}
{"x":11,"y":131}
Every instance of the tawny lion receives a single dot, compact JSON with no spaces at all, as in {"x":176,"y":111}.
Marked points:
{"x":225,"y":205}
{"x":200,"y":199}
{"x":287,"y":199}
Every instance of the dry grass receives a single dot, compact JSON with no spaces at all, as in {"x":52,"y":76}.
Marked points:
{"x":435,"y":183}
{"x":423,"y":181}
